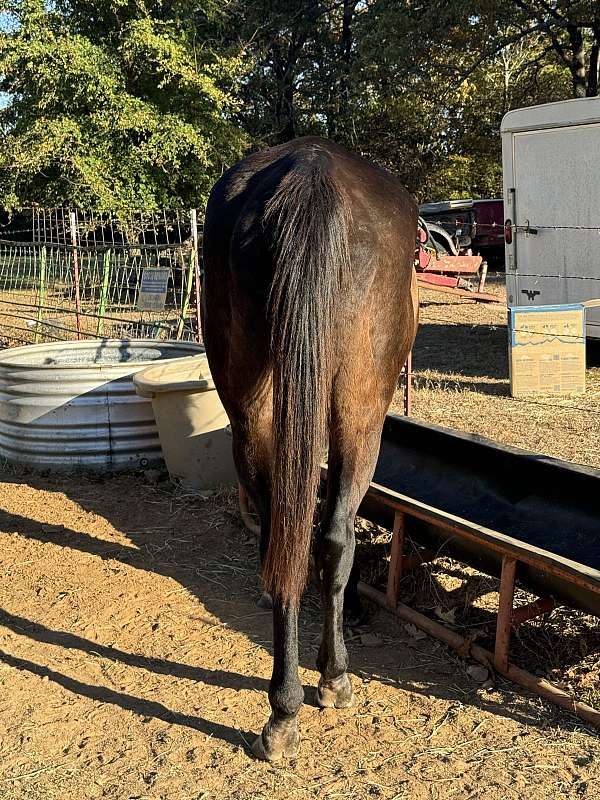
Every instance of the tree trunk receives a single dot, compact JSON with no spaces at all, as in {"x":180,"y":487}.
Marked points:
{"x":594,"y":68}
{"x":285,"y":117}
{"x":577,"y":65}
{"x":342,"y":85}
{"x":285,"y":112}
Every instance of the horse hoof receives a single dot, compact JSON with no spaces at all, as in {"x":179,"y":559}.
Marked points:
{"x":258,"y":749}
{"x":272,"y":746}
{"x":265,"y":601}
{"x":336,"y":693}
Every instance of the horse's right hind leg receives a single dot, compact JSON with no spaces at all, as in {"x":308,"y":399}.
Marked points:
{"x":352,"y":458}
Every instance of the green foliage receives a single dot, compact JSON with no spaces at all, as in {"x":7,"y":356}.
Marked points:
{"x":126,"y":103}
{"x":114,"y":105}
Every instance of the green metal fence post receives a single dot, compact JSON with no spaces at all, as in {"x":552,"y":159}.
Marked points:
{"x":106,"y":260}
{"x":41,"y":293}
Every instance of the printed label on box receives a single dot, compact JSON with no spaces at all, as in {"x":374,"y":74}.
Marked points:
{"x":547,"y":353}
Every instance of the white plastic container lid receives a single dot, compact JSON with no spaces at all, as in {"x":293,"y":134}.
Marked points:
{"x":189,"y":374}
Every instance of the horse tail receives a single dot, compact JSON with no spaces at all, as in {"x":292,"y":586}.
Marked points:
{"x":308,"y":218}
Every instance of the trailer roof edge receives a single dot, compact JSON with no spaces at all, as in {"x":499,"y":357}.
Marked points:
{"x":581,"y":111}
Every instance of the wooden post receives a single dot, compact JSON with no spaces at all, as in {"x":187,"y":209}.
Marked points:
{"x":396,"y":557}
{"x":196,"y":251}
{"x":106,"y":258}
{"x":41,"y":293}
{"x":408,"y":385}
{"x":482,"y":276}
{"x":191,"y":272}
{"x":505,"y":613}
{"x":76,"y":286}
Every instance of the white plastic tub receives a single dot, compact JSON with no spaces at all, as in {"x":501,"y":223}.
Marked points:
{"x":192,"y":423}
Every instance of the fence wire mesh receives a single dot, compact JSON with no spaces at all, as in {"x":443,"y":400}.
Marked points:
{"x":68,"y":274}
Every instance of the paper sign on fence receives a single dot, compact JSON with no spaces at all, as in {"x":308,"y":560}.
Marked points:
{"x":547,"y":350}
{"x":153,"y":289}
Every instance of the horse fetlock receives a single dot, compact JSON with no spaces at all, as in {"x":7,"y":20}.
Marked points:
{"x":286,"y":700}
{"x":279,"y":739}
{"x":335,"y":693}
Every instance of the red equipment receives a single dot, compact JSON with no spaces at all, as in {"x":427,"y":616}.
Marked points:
{"x":441,"y":267}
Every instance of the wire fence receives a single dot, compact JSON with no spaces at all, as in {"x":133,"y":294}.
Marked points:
{"x":68,"y":274}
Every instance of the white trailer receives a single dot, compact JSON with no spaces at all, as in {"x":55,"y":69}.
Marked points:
{"x":551,"y":168}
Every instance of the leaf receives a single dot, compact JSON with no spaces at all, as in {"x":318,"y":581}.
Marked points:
{"x":478,"y":673}
{"x":448,"y":616}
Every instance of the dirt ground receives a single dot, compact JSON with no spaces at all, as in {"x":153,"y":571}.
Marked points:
{"x":134,"y":662}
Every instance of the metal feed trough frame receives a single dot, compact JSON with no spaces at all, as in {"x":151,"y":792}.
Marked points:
{"x":506,"y":512}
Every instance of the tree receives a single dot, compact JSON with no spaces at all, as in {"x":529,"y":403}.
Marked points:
{"x":573,"y":30}
{"x":115,"y":103}
{"x":125,"y":103}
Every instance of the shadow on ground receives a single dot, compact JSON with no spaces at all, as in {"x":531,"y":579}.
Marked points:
{"x":191,"y":560}
{"x":456,"y":350}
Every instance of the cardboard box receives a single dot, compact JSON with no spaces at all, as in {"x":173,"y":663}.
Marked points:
{"x":547,"y":349}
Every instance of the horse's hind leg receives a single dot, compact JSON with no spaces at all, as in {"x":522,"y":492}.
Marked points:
{"x":251,"y":452}
{"x":352,"y":457}
{"x":280,"y":737}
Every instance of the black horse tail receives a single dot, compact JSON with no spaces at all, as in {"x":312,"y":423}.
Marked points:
{"x":308,"y":218}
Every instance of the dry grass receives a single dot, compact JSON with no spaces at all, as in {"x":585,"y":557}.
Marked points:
{"x":461,"y":381}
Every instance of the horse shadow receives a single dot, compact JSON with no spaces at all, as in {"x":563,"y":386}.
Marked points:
{"x":195,"y":560}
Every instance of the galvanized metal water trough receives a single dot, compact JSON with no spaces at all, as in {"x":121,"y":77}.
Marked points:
{"x":73,"y":404}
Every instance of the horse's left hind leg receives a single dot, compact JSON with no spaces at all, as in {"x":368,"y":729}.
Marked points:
{"x":352,"y":458}
{"x":281,"y":736}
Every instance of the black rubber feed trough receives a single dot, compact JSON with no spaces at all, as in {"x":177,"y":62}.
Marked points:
{"x":476,"y":501}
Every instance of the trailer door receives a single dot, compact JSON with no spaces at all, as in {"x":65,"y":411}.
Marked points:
{"x":556,"y":179}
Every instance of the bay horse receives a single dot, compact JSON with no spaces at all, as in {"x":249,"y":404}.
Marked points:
{"x":309,"y":311}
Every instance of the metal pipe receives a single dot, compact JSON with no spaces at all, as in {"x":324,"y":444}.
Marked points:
{"x":104,"y":291}
{"x":41,"y":292}
{"x":396,"y":559}
{"x":505,"y":613}
{"x":465,"y":648}
{"x":73,"y":223}
{"x":542,"y":605}
{"x":408,"y":385}
{"x":194,"y":224}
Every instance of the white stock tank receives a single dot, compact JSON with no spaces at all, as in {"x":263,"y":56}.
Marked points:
{"x":69,"y":405}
